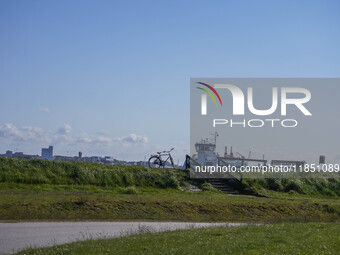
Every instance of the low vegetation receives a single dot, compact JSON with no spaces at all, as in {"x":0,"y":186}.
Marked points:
{"x":35,"y":190}
{"x":284,"y":238}
{"x":82,"y":173}
{"x":311,"y":186}
{"x":133,"y":203}
{"x":40,"y":172}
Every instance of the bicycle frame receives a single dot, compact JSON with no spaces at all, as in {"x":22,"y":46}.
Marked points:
{"x":156,"y":159}
{"x":162,"y":162}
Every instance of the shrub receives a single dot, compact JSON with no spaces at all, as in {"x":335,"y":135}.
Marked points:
{"x":130,"y":190}
{"x":292,"y":192}
{"x":274,"y":184}
{"x":294,"y":184}
{"x":172,"y":182}
{"x":208,"y":187}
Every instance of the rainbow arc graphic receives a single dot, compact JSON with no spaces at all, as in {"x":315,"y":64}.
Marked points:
{"x":209,"y":93}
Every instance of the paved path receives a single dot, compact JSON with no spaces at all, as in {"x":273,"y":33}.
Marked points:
{"x":17,"y":236}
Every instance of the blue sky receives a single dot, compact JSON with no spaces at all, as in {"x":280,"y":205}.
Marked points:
{"x":112,"y":77}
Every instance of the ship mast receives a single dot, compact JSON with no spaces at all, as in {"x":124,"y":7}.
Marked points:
{"x":215,"y":136}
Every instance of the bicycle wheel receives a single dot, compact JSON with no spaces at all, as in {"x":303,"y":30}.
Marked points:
{"x":172,"y":162}
{"x":154,"y":162}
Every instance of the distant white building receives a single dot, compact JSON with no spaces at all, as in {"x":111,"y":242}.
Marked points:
{"x":47,"y":153}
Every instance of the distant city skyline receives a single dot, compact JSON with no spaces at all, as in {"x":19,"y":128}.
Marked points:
{"x":112,"y":77}
{"x":47,"y":154}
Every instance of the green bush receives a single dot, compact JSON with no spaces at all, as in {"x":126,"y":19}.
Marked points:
{"x":130,"y":190}
{"x":310,"y":186}
{"x":208,"y":187}
{"x":292,"y":192}
{"x":294,"y":184}
{"x":274,"y":184}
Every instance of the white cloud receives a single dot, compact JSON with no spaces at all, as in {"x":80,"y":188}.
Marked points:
{"x":10,"y":131}
{"x":65,"y":129}
{"x":131,"y":147}
{"x":31,"y":133}
{"x":90,"y":139}
{"x":134,"y":139}
{"x":31,"y":139}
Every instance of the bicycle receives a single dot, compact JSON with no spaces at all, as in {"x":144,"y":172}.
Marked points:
{"x":156,"y":160}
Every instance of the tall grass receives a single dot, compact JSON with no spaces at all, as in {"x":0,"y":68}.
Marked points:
{"x":82,"y":173}
{"x":310,"y":186}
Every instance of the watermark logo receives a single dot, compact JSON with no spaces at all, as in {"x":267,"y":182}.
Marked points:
{"x":239,"y":99}
{"x":204,"y":97}
{"x":264,"y":127}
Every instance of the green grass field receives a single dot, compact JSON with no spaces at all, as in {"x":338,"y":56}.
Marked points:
{"x":38,"y":190}
{"x":82,"y":173}
{"x":283,"y":238}
{"x":47,"y":203}
{"x":38,"y":172}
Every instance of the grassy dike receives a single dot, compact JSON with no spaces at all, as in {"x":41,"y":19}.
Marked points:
{"x":283,"y":238}
{"x":36,"y":190}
